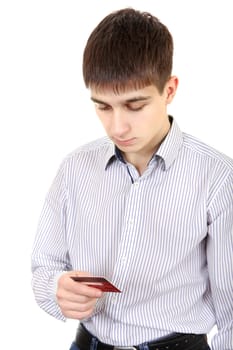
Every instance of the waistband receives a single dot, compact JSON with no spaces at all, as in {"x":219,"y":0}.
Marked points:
{"x":175,"y":341}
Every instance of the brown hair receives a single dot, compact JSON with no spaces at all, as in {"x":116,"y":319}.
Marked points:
{"x":128,"y":49}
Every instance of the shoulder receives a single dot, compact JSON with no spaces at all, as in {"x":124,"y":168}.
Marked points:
{"x":91,"y":147}
{"x":216,"y":168}
{"x":207,"y":153}
{"x":89,"y":155}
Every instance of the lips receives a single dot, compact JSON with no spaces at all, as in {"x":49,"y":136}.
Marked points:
{"x":127,"y":142}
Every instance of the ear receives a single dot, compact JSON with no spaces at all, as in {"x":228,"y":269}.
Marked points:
{"x":170,"y":88}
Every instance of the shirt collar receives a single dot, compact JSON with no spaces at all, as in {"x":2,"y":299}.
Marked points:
{"x":110,"y":154}
{"x":167,"y":151}
{"x":169,"y":148}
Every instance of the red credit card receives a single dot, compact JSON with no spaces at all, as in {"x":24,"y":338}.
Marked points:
{"x":98,"y":282}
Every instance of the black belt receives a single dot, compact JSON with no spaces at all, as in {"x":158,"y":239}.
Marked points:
{"x":176,"y":341}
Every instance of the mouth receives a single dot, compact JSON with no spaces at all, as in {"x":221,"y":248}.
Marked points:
{"x":128,"y":142}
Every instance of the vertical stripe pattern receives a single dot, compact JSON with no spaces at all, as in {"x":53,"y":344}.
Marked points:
{"x":165,"y":239}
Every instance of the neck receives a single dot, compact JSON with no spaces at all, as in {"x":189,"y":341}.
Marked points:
{"x":142,"y":158}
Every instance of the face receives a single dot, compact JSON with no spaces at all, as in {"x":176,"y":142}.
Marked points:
{"x":136,"y":120}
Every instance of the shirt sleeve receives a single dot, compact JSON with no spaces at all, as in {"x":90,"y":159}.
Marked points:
{"x":49,"y":254}
{"x":220,"y":261}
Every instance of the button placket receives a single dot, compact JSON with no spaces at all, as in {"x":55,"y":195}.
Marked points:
{"x":128,"y":235}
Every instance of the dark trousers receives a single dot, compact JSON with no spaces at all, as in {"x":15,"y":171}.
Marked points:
{"x":86,"y":341}
{"x":195,"y":347}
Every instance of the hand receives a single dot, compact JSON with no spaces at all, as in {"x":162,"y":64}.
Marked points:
{"x":76,"y":300}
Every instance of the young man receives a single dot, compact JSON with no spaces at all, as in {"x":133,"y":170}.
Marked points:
{"x":147,"y":207}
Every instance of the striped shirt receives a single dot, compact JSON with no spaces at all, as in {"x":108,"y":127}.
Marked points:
{"x":164,"y":238}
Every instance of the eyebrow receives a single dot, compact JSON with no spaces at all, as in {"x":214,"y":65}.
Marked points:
{"x":130,"y":100}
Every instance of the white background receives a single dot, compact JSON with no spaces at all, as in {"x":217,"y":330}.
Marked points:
{"x":45,"y":113}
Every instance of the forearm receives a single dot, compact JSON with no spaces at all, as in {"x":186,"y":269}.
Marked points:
{"x":44,"y":285}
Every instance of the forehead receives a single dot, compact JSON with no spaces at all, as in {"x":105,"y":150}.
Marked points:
{"x":109,"y":95}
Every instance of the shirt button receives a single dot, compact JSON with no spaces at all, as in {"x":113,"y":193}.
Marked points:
{"x":136,"y":184}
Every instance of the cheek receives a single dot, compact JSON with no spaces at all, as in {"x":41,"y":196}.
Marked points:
{"x":147,"y":120}
{"x":104,"y":121}
{"x":99,"y":115}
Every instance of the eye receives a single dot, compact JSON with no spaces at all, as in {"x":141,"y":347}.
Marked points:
{"x":135,"y":107}
{"x":102,"y":107}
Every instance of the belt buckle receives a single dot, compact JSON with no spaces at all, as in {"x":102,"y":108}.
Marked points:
{"x":124,"y":348}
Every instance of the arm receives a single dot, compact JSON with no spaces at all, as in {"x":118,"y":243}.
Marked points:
{"x":220,"y":262}
{"x":54,"y":290}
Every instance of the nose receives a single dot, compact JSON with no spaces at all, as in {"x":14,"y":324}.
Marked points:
{"x":119,"y":125}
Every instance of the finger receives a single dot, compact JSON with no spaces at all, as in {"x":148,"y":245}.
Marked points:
{"x":78,"y":307}
{"x":83,"y":289}
{"x":72,"y":297}
{"x":66,"y":283}
{"x":79,"y":294}
{"x":77,"y":315}
{"x":77,"y":311}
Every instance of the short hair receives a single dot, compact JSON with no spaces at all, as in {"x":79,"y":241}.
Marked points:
{"x":128,"y":49}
